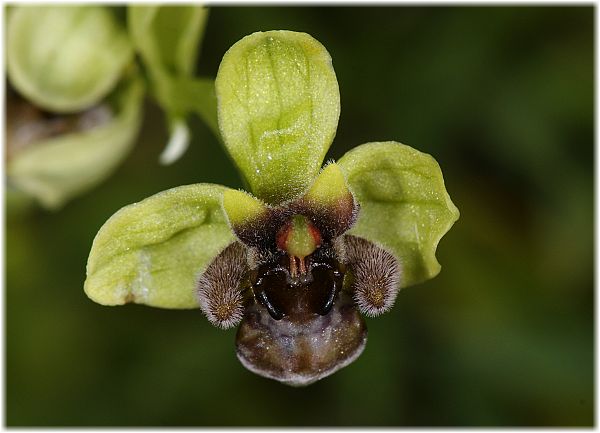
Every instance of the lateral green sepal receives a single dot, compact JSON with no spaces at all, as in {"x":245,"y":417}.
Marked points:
{"x":404,"y":206}
{"x":152,"y":252}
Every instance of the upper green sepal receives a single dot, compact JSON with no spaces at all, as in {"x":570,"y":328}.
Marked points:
{"x":65,"y":58}
{"x":278,"y":108}
{"x":153,"y":252}
{"x":404,"y":206}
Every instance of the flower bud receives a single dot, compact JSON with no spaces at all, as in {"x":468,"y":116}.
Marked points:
{"x":65,"y":58}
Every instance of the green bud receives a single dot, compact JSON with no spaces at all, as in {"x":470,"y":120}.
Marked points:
{"x":167,"y":38}
{"x":65,"y":58}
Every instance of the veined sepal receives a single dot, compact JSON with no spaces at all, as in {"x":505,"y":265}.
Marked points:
{"x":278,"y":107}
{"x":404,"y":206}
{"x":154,"y":251}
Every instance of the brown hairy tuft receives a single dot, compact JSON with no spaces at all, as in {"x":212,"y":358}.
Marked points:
{"x":376,"y":275}
{"x":218,"y":288}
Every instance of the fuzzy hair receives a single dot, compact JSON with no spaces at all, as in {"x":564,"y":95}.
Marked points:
{"x":376,"y":276}
{"x":218,"y":288}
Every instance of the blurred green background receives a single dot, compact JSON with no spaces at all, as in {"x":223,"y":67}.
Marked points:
{"x":502,"y":97}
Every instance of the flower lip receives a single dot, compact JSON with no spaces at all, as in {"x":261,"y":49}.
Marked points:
{"x":299,"y":350}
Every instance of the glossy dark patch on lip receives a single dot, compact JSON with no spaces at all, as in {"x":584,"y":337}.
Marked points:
{"x":300,"y":330}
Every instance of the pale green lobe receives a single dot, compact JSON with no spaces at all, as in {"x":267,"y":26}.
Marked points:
{"x":65,"y":58}
{"x":278,"y":107}
{"x":57,"y":169}
{"x":329,"y":187}
{"x":152,"y":252}
{"x":241,"y":208}
{"x":404,"y":206}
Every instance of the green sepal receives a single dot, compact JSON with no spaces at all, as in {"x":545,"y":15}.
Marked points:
{"x":65,"y":58}
{"x":404,"y":206}
{"x":152,"y":252}
{"x":278,"y":106}
{"x":57,"y":169}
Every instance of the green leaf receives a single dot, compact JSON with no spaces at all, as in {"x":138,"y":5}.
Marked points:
{"x":65,"y":58}
{"x":404,"y":205}
{"x":152,"y":252}
{"x":278,"y":106}
{"x":55,"y":170}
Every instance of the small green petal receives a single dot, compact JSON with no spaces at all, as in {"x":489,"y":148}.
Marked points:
{"x":278,"y":106}
{"x":57,"y":169}
{"x":65,"y":58}
{"x":242,"y":208}
{"x":152,"y":252}
{"x":404,"y":204}
{"x":329,"y":187}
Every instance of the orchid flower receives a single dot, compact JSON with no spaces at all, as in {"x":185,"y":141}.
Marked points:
{"x":298,"y":260}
